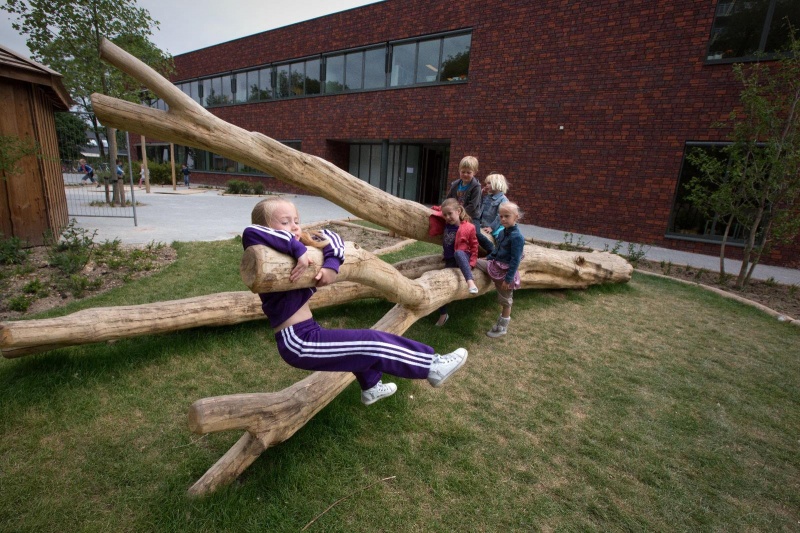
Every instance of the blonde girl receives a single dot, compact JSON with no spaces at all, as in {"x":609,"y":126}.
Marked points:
{"x":303,"y":343}
{"x":459,"y":246}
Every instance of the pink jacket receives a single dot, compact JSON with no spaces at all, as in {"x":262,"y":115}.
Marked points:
{"x":467,"y":241}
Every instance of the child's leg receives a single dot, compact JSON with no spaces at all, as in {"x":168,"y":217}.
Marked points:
{"x":365,"y":352}
{"x":484,"y":241}
{"x":462,"y":260}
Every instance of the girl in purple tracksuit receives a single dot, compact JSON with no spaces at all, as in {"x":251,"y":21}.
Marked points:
{"x":303,"y":343}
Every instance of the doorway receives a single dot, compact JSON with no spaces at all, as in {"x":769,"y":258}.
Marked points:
{"x":412,"y":171}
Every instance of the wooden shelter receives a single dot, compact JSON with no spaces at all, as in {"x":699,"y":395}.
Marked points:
{"x":32,"y":200}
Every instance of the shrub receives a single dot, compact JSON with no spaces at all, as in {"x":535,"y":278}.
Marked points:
{"x":258,"y":188}
{"x":238,"y":187}
{"x":35,"y":288}
{"x":12,"y":251}
{"x":20,"y":303}
{"x":72,"y":250}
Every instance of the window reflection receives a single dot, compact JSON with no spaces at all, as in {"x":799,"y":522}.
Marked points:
{"x":403,"y":64}
{"x":375,"y":68}
{"x":430,"y":60}
{"x":334,"y":74}
{"x":742,"y":28}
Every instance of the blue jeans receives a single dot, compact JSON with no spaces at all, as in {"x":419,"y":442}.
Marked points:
{"x":460,"y":259}
{"x":483,"y":241}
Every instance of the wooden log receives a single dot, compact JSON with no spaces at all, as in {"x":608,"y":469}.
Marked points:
{"x":101,"y":324}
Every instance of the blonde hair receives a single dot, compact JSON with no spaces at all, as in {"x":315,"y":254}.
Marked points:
{"x":512,"y":206}
{"x":452,"y":203}
{"x":497,"y":182}
{"x":262,"y":216}
{"x":469,"y":162}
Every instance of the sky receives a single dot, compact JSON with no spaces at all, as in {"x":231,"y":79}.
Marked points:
{"x":187,"y":26}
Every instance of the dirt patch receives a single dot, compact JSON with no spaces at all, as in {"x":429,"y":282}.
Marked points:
{"x":782,"y":298}
{"x":45,"y":286}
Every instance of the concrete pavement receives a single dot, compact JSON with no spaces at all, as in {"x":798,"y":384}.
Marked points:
{"x":207,"y":215}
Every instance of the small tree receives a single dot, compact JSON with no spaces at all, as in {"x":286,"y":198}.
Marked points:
{"x":757,"y":184}
{"x":12,"y":149}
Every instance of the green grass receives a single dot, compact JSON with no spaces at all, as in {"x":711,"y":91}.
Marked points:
{"x":647,"y":406}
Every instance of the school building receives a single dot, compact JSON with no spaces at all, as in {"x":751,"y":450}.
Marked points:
{"x":588,"y":108}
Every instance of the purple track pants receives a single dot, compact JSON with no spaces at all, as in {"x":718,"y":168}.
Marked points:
{"x":367,"y":353}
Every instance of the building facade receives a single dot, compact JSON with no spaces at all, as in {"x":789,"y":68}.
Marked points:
{"x":587,"y":108}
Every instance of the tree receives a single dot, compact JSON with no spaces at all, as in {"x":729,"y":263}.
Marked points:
{"x":757,"y":184}
{"x":66,"y":36}
{"x":71,"y":133}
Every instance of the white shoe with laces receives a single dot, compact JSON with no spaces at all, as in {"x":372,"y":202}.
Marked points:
{"x":445,"y":365}
{"x":377,"y":392}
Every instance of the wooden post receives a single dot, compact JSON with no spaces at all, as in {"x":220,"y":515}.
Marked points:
{"x":144,"y":166}
{"x":172,"y":163}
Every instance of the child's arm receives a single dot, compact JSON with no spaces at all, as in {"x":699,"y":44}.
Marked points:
{"x":281,"y":241}
{"x":517,"y":247}
{"x":333,"y":255}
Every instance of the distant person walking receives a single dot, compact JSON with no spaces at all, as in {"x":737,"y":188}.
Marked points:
{"x":185,"y":171}
{"x":84,"y":167}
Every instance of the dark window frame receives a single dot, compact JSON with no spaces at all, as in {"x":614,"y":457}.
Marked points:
{"x":725,"y":10}
{"x":387,"y":48}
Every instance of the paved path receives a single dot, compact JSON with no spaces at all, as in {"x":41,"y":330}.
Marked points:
{"x":207,"y":215}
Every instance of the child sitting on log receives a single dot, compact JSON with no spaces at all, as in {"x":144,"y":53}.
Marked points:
{"x":459,"y":246}
{"x":502,"y":265}
{"x":304,"y":344}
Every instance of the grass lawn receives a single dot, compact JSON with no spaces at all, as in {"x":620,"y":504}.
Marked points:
{"x":647,"y":406}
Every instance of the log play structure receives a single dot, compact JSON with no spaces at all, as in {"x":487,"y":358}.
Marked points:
{"x":417,"y":287}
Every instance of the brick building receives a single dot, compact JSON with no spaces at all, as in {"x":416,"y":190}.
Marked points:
{"x":588,"y":108}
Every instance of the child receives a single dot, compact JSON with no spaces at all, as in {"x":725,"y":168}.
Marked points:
{"x":84,"y":167}
{"x":496,"y":188}
{"x":459,"y":245}
{"x":120,"y":173}
{"x":185,"y":172}
{"x":503,"y":263}
{"x":467,"y":190}
{"x":305,"y":344}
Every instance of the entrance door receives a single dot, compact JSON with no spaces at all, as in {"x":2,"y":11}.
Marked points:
{"x":413,"y":171}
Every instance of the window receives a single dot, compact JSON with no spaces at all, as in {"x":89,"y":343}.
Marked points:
{"x":354,"y":71}
{"x":403,"y":63}
{"x":428,"y":61}
{"x":253,"y":89}
{"x":297,"y":76}
{"x":334,"y":74}
{"x":266,"y":77}
{"x":313,"y":77}
{"x":240,"y":90}
{"x":689,"y":222}
{"x":375,"y":68}
{"x":435,"y":59}
{"x":746,"y":29}
{"x":282,"y":81}
{"x":455,"y":57}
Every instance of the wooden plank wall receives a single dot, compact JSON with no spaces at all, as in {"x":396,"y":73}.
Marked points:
{"x":50,"y":163}
{"x":23,"y":201}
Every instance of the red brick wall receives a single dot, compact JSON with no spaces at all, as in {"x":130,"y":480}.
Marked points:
{"x":625,"y":79}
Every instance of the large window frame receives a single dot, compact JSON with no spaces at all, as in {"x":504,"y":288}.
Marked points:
{"x":366,"y":68}
{"x":686,"y":222}
{"x":750,"y":30}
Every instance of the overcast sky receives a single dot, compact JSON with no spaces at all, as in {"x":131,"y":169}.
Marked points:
{"x":187,"y":26}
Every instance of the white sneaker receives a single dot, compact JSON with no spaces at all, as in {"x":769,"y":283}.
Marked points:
{"x":500,"y":328}
{"x":379,"y":391}
{"x":473,"y":290}
{"x":444,"y":365}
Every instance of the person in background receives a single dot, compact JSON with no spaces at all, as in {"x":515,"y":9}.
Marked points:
{"x":185,"y":171}
{"x":84,"y":167}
